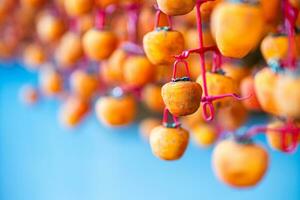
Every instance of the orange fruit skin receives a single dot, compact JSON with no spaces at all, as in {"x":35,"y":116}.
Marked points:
{"x":176,"y":7}
{"x":287,"y":96}
{"x":138,"y":71}
{"x":230,"y":21}
{"x":105,"y":3}
{"x":161,"y":46}
{"x":168,"y":143}
{"x":151,"y":96}
{"x":232,"y":117}
{"x":247,"y":87}
{"x":146,"y":127}
{"x":182,"y":98}
{"x":265,"y":82}
{"x":69,"y":50}
{"x":72,"y":111}
{"x":113,"y":111}
{"x":99,"y":44}
{"x":34,"y":56}
{"x":239,"y":165}
{"x":218,"y":84}
{"x":50,"y":82}
{"x":235,"y":71}
{"x":50,"y":28}
{"x":204,"y":135}
{"x":274,"y":137}
{"x":32,"y":4}
{"x":76,"y":8}
{"x":83,"y":84}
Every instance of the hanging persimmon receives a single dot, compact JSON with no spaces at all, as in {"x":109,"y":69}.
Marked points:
{"x":147,"y":125}
{"x":151,"y":96}
{"x":247,"y":87}
{"x":240,"y":163}
{"x":76,"y":8}
{"x":168,"y":143}
{"x":50,"y":81}
{"x":176,"y":7}
{"x":34,"y":56}
{"x":162,"y":44}
{"x":231,"y":20}
{"x":204,"y":135}
{"x":99,"y":44}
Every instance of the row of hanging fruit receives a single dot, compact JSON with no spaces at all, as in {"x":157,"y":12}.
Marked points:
{"x":205,"y":65}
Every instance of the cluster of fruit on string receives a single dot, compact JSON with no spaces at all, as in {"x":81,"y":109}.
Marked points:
{"x":89,"y":52}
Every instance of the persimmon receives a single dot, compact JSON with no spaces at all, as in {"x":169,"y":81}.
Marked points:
{"x":204,"y":135}
{"x":34,"y":56}
{"x":287,"y":95}
{"x":247,"y":87}
{"x":138,"y":70}
{"x":168,"y":143}
{"x":50,"y":28}
{"x":76,"y":8}
{"x":182,"y":97}
{"x":232,"y":117}
{"x":69,"y":50}
{"x":84,"y":84}
{"x":147,"y":125}
{"x":192,"y":40}
{"x":265,"y":82}
{"x":232,"y":20}
{"x":162,"y":45}
{"x":50,"y":81}
{"x":240,"y":164}
{"x":151,"y":96}
{"x":29,"y":95}
{"x":274,"y":138}
{"x":270,"y":10}
{"x":73,"y":110}
{"x":235,"y":71}
{"x":99,"y":44}
{"x":193,"y":119}
{"x":176,"y":7}
{"x":116,"y":111}
{"x":84,"y":23}
{"x":218,"y":84}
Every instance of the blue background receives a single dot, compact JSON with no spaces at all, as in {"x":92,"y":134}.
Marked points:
{"x":39,"y":160}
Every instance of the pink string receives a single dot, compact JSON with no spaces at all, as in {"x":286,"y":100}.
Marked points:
{"x":100,"y":19}
{"x":207,"y":100}
{"x":166,"y":122}
{"x":133,"y":11}
{"x":175,"y":69}
{"x":157,"y":18}
{"x":290,"y":17}
{"x":285,"y":131}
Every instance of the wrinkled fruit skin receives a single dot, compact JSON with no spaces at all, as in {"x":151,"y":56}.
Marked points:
{"x":233,"y":20}
{"x":239,"y":165}
{"x":182,"y":98}
{"x":113,"y":111}
{"x":99,"y":45}
{"x":147,"y":125}
{"x":176,"y":7}
{"x":160,"y":46}
{"x":168,"y":143}
{"x":265,"y":85}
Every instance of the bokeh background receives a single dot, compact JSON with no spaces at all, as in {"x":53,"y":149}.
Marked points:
{"x":40,"y":160}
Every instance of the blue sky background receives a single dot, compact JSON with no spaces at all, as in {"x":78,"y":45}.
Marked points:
{"x":39,"y":160}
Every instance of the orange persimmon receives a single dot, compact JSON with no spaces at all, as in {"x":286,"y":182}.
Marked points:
{"x":147,"y":125}
{"x":204,"y":135}
{"x":168,"y":143}
{"x":162,"y":45}
{"x":182,"y":97}
{"x":151,"y":96}
{"x":99,"y":44}
{"x":247,"y":87}
{"x":176,"y":7}
{"x":76,"y":8}
{"x":116,"y":111}
{"x":230,"y":21}
{"x":50,"y":81}
{"x":240,"y":164}
{"x":34,"y":56}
